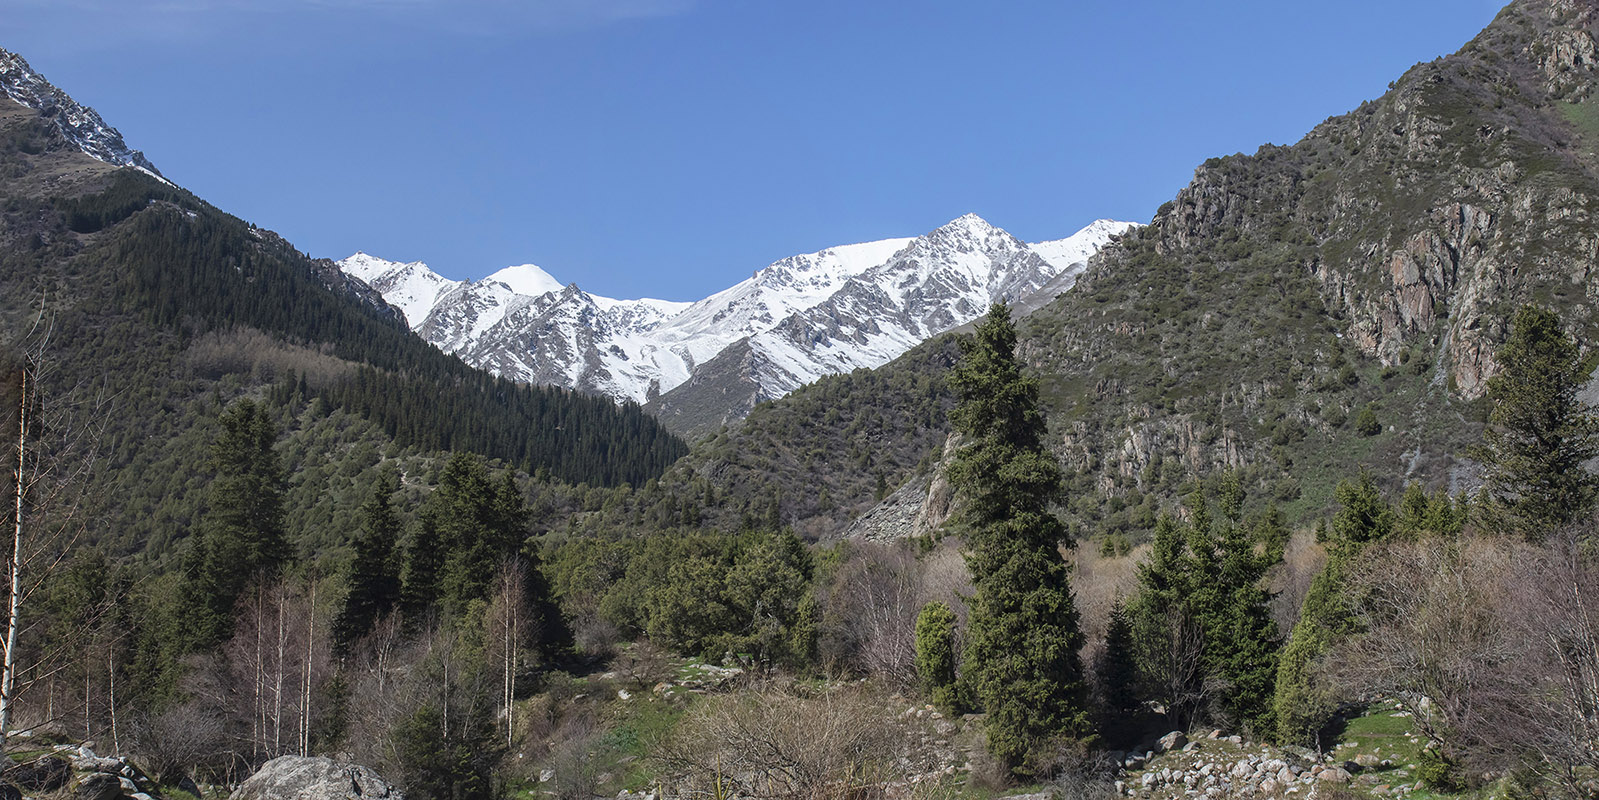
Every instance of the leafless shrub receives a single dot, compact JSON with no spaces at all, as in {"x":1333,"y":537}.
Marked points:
{"x":1493,"y":644}
{"x":576,"y":774}
{"x":768,"y":744}
{"x":1079,"y":772}
{"x":187,"y":740}
{"x":870,"y":606}
{"x":1303,"y":559}
{"x":869,"y":619}
{"x":643,"y":664}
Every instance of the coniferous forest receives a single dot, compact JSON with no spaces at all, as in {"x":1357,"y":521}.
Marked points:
{"x":1292,"y":494}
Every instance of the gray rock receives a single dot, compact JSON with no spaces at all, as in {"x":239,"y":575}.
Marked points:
{"x":301,"y":778}
{"x":93,"y":763}
{"x":1334,"y":775}
{"x":97,"y":786}
{"x":1171,"y":741}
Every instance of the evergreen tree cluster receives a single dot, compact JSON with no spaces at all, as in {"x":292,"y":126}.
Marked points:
{"x":1202,"y":631}
{"x":748,"y":594}
{"x":184,"y":266}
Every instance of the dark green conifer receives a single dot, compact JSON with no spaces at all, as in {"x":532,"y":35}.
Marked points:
{"x":935,"y":654}
{"x":1116,"y":673}
{"x":1539,"y":433}
{"x":1022,"y":660}
{"x":375,"y":573}
{"x":240,"y":540}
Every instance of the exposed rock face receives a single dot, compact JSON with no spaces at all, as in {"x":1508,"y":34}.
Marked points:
{"x":79,"y":123}
{"x":301,"y":778}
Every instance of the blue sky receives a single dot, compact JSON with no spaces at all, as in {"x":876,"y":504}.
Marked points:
{"x":667,"y":148}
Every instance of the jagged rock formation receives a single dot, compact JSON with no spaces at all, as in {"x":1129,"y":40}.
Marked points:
{"x":78,"y":123}
{"x":793,"y":321}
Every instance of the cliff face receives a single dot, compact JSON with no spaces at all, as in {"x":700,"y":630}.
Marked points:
{"x":1468,"y":188}
{"x":1366,"y":274}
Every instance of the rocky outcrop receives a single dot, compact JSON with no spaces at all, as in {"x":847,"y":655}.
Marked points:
{"x":305,"y":778}
{"x":80,"y":124}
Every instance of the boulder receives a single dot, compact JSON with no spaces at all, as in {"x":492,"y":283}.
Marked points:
{"x":43,"y":774}
{"x":97,"y":786}
{"x":1334,"y":775}
{"x":1368,"y":760}
{"x":1171,"y":741}
{"x":303,"y":778}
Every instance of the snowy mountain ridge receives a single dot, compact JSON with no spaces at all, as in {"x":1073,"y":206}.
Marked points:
{"x":806,"y":316}
{"x":79,"y":123}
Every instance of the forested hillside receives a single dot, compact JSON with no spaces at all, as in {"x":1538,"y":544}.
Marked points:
{"x":138,"y":293}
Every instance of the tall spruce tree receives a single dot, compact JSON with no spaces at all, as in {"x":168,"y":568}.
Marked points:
{"x":375,"y":573}
{"x":240,"y":540}
{"x":1539,"y":433}
{"x":1116,"y":673}
{"x":1022,"y":659}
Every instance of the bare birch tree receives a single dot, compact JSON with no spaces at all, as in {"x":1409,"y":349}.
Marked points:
{"x":57,"y":439}
{"x":509,"y":627}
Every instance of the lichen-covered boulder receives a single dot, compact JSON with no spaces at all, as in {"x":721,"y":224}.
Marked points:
{"x":302,"y":778}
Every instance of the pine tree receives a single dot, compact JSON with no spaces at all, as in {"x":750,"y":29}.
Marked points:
{"x":241,"y":538}
{"x":1200,"y":623}
{"x":374,"y":575}
{"x":1539,"y":433}
{"x":1022,"y":658}
{"x":1166,"y":633}
{"x":1116,"y":673}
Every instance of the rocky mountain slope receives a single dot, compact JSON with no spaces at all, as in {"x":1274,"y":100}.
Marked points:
{"x":799,"y":318}
{"x":1372,"y":266}
{"x":81,"y":125}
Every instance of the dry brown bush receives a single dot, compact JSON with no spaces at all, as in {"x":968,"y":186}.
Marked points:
{"x":1303,"y":559}
{"x":768,"y":743}
{"x":1097,"y":581}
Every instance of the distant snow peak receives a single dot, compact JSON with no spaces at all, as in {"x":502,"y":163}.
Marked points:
{"x":1075,"y":250}
{"x":527,"y":279}
{"x":802,"y":317}
{"x":79,"y":123}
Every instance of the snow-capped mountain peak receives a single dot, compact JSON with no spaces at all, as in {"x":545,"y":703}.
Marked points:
{"x":82,"y":125}
{"x":1075,"y":250}
{"x":527,"y":279}
{"x":410,"y":286}
{"x":802,"y":317}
